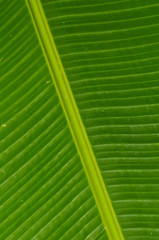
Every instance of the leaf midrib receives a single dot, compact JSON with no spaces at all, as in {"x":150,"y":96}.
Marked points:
{"x":74,"y":121}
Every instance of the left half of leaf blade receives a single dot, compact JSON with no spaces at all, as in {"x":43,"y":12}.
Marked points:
{"x":44,"y":190}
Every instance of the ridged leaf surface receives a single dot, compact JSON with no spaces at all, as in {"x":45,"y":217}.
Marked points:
{"x":109,"y":51}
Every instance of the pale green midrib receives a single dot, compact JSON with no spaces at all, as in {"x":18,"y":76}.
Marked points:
{"x":74,"y":120}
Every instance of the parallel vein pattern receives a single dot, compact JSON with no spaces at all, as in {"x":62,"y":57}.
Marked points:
{"x":110,"y":52}
{"x":74,"y":121}
{"x":44,"y":190}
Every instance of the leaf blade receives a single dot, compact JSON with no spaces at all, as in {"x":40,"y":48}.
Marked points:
{"x":42,"y":180}
{"x":80,"y":137}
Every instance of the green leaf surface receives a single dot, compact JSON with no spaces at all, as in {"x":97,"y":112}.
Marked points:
{"x":79,"y":119}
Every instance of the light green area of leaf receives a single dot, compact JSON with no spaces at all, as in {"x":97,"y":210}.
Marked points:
{"x":110,"y":53}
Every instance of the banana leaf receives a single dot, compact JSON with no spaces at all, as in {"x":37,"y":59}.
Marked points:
{"x":79,"y":120}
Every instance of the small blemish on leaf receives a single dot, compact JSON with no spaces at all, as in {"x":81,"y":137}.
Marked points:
{"x":3,"y":125}
{"x":47,"y":82}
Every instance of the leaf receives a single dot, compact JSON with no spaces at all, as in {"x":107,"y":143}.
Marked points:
{"x":44,"y":190}
{"x":79,"y":120}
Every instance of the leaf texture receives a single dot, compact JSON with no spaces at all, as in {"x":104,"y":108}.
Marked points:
{"x":109,"y":51}
{"x":44,"y":191}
